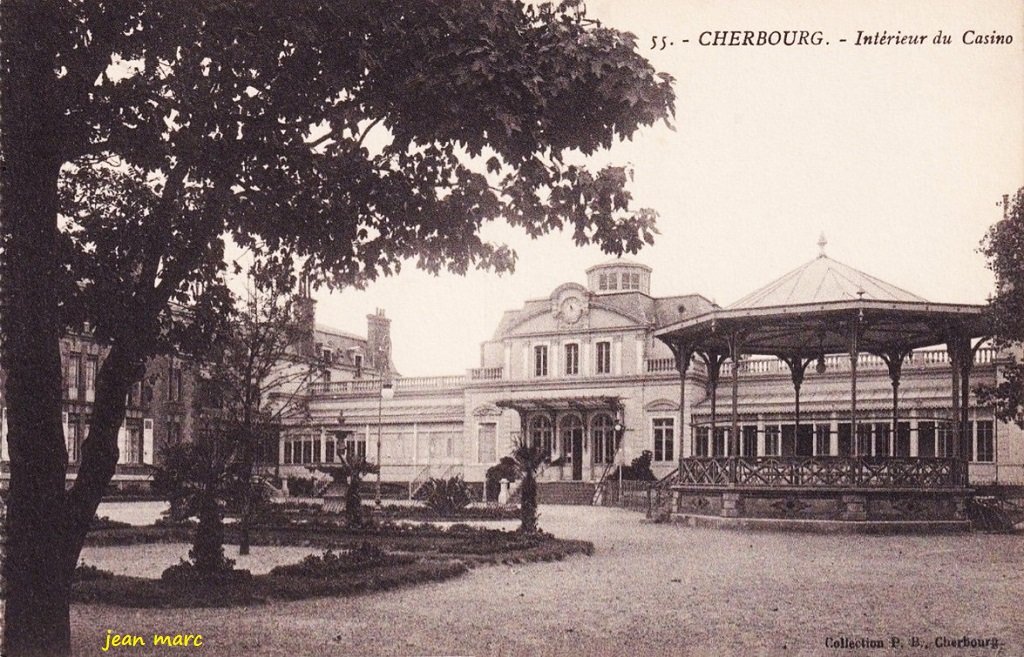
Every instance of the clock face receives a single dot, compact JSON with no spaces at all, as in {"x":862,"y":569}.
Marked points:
{"x":572,"y":310}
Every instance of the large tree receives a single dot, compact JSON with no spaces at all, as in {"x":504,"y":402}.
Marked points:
{"x":1004,"y":247}
{"x":344,"y":137}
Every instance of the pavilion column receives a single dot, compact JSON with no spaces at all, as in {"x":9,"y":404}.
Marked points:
{"x":854,"y":354}
{"x":713,"y":360}
{"x":683,"y":354}
{"x":735,"y":346}
{"x":894,"y":361}
{"x":797,"y":368}
{"x":962,"y":360}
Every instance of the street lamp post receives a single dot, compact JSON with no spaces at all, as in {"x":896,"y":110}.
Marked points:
{"x":619,"y":429}
{"x":386,"y":392}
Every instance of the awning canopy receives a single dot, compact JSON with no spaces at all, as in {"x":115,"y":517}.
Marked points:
{"x":549,"y":404}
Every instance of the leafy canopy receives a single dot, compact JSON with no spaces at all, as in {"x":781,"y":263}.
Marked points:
{"x":345,"y":137}
{"x":1003,"y":246}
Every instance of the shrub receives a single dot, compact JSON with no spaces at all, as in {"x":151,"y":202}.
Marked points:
{"x":638,"y":470}
{"x":186,"y":572}
{"x":505,"y":469}
{"x":331,"y":564}
{"x":447,"y":496}
{"x":302,"y":486}
{"x":86,"y":573}
{"x":104,"y":522}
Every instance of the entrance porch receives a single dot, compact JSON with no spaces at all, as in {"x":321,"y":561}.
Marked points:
{"x":583,"y":435}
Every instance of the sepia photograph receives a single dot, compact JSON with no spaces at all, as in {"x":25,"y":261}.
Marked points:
{"x":501,"y":327}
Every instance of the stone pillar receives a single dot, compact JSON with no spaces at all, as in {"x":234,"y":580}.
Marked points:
{"x":854,"y":507}
{"x":503,"y":493}
{"x":732,"y":504}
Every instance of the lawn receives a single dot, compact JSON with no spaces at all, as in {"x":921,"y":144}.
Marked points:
{"x":647,"y":590}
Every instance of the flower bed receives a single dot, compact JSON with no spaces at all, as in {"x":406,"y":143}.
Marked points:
{"x":374,"y":558}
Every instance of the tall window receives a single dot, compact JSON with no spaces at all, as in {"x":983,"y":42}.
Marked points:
{"x":175,"y":387}
{"x":605,"y":445}
{"x":748,"y":441}
{"x":721,"y":440}
{"x":541,"y":432}
{"x":864,"y":439}
{"x":823,"y":439}
{"x":173,"y":432}
{"x":882,"y":438}
{"x":701,"y":447}
{"x":540,"y":360}
{"x":944,"y":440}
{"x":664,"y":438}
{"x":487,"y":438}
{"x":572,"y":359}
{"x":604,"y":358}
{"x":133,"y":451}
{"x":602,"y":281}
{"x":635,"y":281}
{"x":926,"y":439}
{"x":771,"y":440}
{"x":71,"y":439}
{"x":90,"y":376}
{"x":613,"y":281}
{"x":355,"y":445}
{"x":985,"y":448}
{"x":73,"y":360}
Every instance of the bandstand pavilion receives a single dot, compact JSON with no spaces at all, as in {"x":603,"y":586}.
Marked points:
{"x":845,"y":471}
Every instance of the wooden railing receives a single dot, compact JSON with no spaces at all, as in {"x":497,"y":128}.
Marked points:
{"x":824,"y":472}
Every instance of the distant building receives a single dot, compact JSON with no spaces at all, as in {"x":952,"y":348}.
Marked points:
{"x":565,"y":370}
{"x":161,"y":407}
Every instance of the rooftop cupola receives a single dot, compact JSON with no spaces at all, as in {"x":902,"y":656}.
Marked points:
{"x":619,"y":276}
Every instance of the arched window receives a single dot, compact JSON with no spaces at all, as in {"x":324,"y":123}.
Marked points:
{"x":541,"y":432}
{"x":605,"y":441}
{"x":570,"y":425}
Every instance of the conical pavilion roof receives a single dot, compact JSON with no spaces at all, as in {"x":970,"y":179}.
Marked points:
{"x":823,"y":280}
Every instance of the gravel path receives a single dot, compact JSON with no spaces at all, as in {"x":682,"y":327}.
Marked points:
{"x":648,"y":590}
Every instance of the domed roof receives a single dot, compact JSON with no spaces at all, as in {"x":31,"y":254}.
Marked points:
{"x":618,"y":262}
{"x":822,"y":280}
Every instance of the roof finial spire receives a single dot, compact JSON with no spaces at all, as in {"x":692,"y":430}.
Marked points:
{"x":822,"y":243}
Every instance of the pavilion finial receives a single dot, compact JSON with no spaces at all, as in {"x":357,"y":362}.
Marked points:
{"x":822,"y":243}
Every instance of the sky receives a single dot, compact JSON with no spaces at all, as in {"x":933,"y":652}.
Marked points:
{"x":899,"y":154}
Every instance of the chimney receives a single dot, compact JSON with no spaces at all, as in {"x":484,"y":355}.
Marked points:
{"x":1006,"y":206}
{"x":378,"y":341}
{"x":305,"y":317}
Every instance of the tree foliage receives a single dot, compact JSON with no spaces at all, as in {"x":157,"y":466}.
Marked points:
{"x":1003,"y":246}
{"x":344,"y":138}
{"x":201,"y":478}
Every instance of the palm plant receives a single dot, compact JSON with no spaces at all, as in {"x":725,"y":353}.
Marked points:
{"x":529,"y":458}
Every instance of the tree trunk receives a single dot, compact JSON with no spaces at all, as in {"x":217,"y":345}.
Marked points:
{"x":38,"y":578}
{"x":528,"y":502}
{"x":208,"y":545}
{"x":354,"y":501}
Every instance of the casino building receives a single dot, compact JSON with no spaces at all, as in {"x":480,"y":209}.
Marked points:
{"x":591,"y":372}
